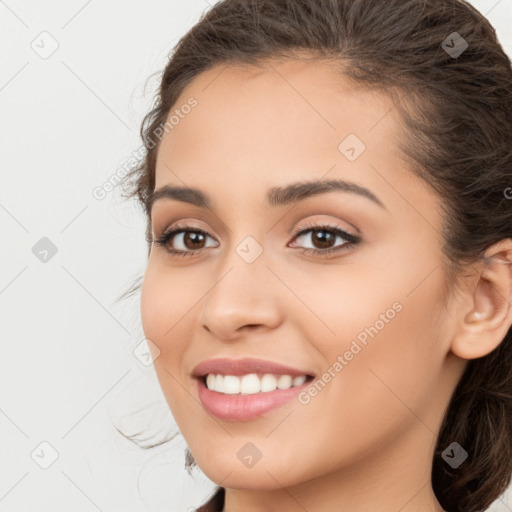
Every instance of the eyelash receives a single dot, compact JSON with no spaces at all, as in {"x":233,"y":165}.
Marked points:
{"x":352,"y":240}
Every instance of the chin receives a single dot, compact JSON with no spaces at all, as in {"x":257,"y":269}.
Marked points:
{"x":228,"y":471}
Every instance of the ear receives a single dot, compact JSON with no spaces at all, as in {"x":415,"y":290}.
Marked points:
{"x":485,"y":325}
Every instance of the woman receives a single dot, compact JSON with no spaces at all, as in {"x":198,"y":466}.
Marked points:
{"x":327,"y":190}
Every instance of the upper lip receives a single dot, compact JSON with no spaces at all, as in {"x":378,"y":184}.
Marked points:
{"x":226,"y":366}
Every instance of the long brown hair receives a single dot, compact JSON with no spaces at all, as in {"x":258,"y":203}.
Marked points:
{"x":456,"y":104}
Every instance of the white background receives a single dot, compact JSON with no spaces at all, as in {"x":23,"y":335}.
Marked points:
{"x":67,"y":367}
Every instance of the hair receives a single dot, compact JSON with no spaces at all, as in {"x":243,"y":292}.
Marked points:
{"x":456,"y":112}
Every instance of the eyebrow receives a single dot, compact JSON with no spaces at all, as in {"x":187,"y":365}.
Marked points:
{"x":276,"y":196}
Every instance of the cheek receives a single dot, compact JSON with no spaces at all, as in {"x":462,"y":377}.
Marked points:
{"x":339,"y":306}
{"x":166,"y":298}
{"x":155,"y":321}
{"x":385,"y":309}
{"x":380,"y":341}
{"x":164,"y":305}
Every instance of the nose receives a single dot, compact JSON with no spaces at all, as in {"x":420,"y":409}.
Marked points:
{"x":242,"y":298}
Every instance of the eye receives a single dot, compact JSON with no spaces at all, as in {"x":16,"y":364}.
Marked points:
{"x":323,"y":236}
{"x":189,"y":240}
{"x":182,"y":241}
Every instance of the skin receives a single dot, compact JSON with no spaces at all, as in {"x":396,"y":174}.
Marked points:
{"x":366,"y":441}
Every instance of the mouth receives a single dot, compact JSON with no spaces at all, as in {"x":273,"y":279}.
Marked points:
{"x":243,"y":390}
{"x":252,"y":383}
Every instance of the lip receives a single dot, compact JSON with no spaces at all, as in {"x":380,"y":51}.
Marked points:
{"x":238,"y":407}
{"x":239,"y":367}
{"x":244,"y":407}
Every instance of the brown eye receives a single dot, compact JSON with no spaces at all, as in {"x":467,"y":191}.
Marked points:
{"x":184,"y":240}
{"x":323,"y":239}
{"x":193,"y":240}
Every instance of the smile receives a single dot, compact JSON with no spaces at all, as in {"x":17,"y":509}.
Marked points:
{"x":251,"y":383}
{"x":243,"y":390}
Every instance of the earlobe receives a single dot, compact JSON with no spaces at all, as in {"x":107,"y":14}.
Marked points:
{"x":485,"y":326}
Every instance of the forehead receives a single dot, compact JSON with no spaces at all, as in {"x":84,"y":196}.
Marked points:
{"x":280,"y":121}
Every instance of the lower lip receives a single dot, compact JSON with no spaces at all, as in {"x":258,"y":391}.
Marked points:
{"x":244,"y":407}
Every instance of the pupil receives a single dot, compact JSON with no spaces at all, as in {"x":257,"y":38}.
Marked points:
{"x":193,"y":237}
{"x":323,"y":237}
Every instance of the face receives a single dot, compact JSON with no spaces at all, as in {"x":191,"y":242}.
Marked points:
{"x":342,"y":286}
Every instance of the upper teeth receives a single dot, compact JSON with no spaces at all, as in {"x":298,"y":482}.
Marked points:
{"x":251,"y":383}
